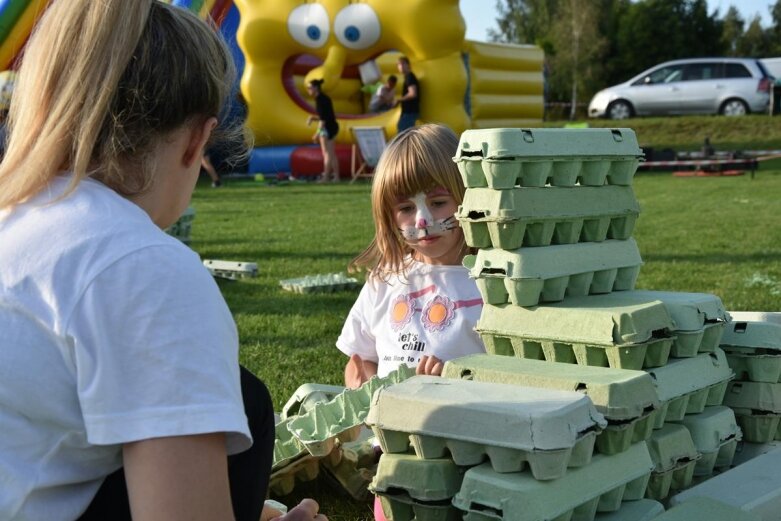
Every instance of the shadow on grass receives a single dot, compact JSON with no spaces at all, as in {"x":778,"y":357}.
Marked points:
{"x":714,"y":258}
{"x":255,"y":299}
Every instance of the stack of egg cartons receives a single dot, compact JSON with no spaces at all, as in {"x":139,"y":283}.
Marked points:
{"x":552,"y":213}
{"x":752,"y":342}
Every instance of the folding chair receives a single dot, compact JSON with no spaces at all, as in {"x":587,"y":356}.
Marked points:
{"x":369,"y":142}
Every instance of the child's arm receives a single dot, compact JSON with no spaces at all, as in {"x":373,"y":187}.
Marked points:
{"x":429,"y":364}
{"x":357,"y":371}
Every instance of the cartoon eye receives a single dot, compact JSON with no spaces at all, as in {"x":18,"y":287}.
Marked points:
{"x":308,"y":25}
{"x":357,"y":26}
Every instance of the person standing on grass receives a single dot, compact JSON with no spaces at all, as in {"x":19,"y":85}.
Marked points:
{"x":410,"y":96}
{"x":133,"y":406}
{"x":327,"y":129}
{"x":418,"y":307}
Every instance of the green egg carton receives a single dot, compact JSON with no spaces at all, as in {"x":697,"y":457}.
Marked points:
{"x":627,"y":399}
{"x":757,"y":396}
{"x":640,"y":510}
{"x":600,"y":486}
{"x":286,"y":447}
{"x":675,"y":456}
{"x":353,"y":466}
{"x":705,"y":509}
{"x":758,"y":426}
{"x":422,"y":479}
{"x":502,"y":158}
{"x":747,"y":450}
{"x":599,"y":330}
{"x":528,"y":276}
{"x":307,"y":396}
{"x":754,"y":350}
{"x":753,"y":487}
{"x":698,"y":320}
{"x":182,"y":228}
{"x":688,"y":385}
{"x":413,"y":488}
{"x":341,"y":418}
{"x":322,"y":283}
{"x":283,"y":481}
{"x":232,"y":270}
{"x":511,"y":426}
{"x":509,"y":219}
{"x":716,"y":434}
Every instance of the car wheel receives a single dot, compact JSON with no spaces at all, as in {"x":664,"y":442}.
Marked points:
{"x":620,"y":109}
{"x":734,"y":107}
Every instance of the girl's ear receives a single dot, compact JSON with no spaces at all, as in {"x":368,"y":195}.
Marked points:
{"x":199,"y":136}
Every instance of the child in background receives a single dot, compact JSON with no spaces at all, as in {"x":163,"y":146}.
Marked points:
{"x":419,"y":306}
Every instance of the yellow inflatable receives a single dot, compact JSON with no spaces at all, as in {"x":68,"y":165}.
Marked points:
{"x":330,"y":39}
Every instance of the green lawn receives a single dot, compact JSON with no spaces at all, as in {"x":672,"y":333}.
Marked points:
{"x":715,"y":235}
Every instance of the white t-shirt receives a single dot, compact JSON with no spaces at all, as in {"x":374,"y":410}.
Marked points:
{"x":147,"y":347}
{"x":431,"y":312}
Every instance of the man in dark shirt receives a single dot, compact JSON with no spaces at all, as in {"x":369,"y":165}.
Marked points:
{"x":410,"y":98}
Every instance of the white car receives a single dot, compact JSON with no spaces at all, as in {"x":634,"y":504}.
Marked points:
{"x":729,"y":86}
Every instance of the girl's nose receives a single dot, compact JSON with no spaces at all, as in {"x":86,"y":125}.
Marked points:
{"x":421,"y":223}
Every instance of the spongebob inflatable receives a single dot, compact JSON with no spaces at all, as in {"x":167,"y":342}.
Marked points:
{"x":289,"y":42}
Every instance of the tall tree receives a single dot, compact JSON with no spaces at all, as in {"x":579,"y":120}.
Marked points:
{"x":755,"y":41}
{"x":524,"y":21}
{"x":732,"y":31}
{"x":579,"y":46}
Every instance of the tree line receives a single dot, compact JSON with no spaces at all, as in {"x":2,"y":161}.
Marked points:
{"x":592,"y":44}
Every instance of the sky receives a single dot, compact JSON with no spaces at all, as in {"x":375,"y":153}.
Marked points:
{"x":480,"y":15}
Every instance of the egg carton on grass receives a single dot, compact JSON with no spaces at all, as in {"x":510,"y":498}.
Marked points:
{"x":507,"y":157}
{"x":182,"y":228}
{"x":688,"y":385}
{"x":353,"y":466}
{"x":511,"y":426}
{"x":627,"y":399}
{"x":600,"y":486}
{"x":675,"y":456}
{"x":307,"y":396}
{"x":286,"y":447}
{"x":283,"y":481}
{"x":342,"y":417}
{"x":509,"y":219}
{"x":230,"y":269}
{"x":715,"y":434}
{"x":324,"y":283}
{"x":528,"y":276}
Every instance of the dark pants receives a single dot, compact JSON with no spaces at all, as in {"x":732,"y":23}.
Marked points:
{"x":248,"y":471}
{"x":407,"y":120}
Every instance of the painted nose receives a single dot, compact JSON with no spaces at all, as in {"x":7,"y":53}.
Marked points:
{"x":422,"y":223}
{"x":331,"y":70}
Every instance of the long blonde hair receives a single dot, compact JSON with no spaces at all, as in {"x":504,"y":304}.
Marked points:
{"x":415,"y":161}
{"x":101,"y":82}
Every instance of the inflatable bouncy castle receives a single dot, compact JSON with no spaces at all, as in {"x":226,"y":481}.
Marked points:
{"x":279,"y":45}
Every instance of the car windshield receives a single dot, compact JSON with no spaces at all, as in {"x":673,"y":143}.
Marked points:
{"x":667,"y":74}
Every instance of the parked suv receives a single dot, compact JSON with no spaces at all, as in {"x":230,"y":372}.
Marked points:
{"x":729,"y":86}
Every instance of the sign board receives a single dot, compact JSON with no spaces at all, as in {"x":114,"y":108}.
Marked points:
{"x":371,"y":141}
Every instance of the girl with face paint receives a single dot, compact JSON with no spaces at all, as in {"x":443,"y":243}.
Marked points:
{"x":419,"y":306}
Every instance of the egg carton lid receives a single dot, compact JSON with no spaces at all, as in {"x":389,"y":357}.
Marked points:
{"x":685,"y":375}
{"x":711,"y":428}
{"x":758,"y":396}
{"x":498,"y":143}
{"x":753,"y":487}
{"x":609,"y":319}
{"x":641,"y":510}
{"x":547,"y":262}
{"x":422,"y":479}
{"x":752,"y":334}
{"x":670,"y":446}
{"x":547,"y":202}
{"x":689,"y":311}
{"x":619,"y":394}
{"x":498,"y":415}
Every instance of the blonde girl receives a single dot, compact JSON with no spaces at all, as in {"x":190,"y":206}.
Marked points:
{"x":133,"y":401}
{"x":419,"y":306}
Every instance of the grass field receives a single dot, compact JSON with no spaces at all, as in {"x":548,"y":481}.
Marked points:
{"x":714,"y":235}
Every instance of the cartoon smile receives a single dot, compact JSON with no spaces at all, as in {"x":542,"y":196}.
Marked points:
{"x":289,"y":42}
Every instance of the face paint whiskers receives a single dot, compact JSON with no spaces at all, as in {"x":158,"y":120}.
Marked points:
{"x":412,"y":233}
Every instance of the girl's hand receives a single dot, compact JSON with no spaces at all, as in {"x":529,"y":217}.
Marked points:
{"x":430,"y":365}
{"x":309,"y":120}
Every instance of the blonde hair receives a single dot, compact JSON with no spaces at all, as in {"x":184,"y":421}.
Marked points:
{"x":415,"y":161}
{"x":101,"y":85}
